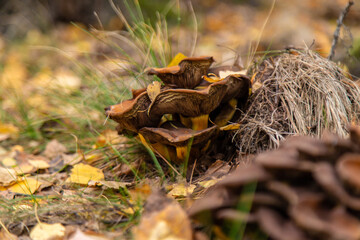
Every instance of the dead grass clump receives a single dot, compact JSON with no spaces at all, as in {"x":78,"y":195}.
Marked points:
{"x":300,"y":93}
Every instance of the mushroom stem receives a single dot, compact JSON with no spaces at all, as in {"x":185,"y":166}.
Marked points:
{"x":182,"y":152}
{"x":159,"y":147}
{"x":200,"y":122}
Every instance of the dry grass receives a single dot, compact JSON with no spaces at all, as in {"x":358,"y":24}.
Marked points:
{"x":301,"y":93}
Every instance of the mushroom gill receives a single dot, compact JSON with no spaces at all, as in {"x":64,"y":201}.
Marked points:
{"x":174,"y":134}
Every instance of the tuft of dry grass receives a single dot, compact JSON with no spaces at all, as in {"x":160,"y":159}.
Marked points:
{"x":300,"y":93}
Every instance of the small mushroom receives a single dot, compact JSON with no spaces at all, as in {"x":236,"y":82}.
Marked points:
{"x":187,"y":74}
{"x":131,"y":114}
{"x":173,"y":134}
{"x":196,"y":104}
{"x":277,"y":226}
{"x":312,"y":215}
{"x":238,"y":87}
{"x":325,"y":175}
{"x":348,"y":168}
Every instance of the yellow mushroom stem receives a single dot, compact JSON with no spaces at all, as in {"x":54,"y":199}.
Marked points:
{"x":200,"y":122}
{"x":182,"y":152}
{"x":185,"y":121}
{"x":206,"y":147}
{"x":158,"y":148}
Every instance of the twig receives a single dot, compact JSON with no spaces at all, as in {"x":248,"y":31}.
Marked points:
{"x":337,"y":30}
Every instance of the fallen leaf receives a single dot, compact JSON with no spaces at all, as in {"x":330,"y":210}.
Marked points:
{"x":163,"y":218}
{"x":109,"y":137}
{"x":153,"y":90}
{"x":229,"y":127}
{"x":39,"y":164}
{"x":208,"y":183}
{"x":181,"y":190}
{"x":108,"y":184}
{"x":8,"y":162}
{"x":44,"y":231}
{"x":83,"y":173}
{"x":53,"y":149}
{"x":224,"y":74}
{"x":25,"y":186}
{"x":7,"y":131}
{"x":80,"y":235}
{"x":7,"y":176}
{"x":4,"y":234}
{"x":176,"y":60}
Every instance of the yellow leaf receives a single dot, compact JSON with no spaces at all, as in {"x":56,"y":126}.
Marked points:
{"x":108,"y":184}
{"x":176,"y":60}
{"x":26,"y":186}
{"x":208,"y":183}
{"x":44,"y":231}
{"x":7,"y":131}
{"x":180,"y":190}
{"x":8,"y":162}
{"x":82,"y":174}
{"x":153,"y":90}
{"x":233,"y":126}
{"x":170,"y":223}
{"x":39,"y":164}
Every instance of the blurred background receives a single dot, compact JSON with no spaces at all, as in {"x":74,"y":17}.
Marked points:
{"x":63,"y":61}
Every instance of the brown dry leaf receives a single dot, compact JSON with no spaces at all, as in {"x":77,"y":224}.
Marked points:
{"x":181,"y":190}
{"x":53,"y":149}
{"x":8,"y":131}
{"x":44,"y":231}
{"x":80,"y":235}
{"x":153,"y":90}
{"x":25,"y":186}
{"x":108,"y":184}
{"x":163,"y":218}
{"x":83,"y":173}
{"x":7,"y":176}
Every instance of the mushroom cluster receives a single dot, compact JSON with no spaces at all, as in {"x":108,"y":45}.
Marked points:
{"x":307,"y":189}
{"x":184,"y":111}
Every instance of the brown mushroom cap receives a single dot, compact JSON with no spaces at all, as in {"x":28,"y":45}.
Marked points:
{"x":188,"y":102}
{"x":278,"y":227}
{"x":187,"y":74}
{"x":348,"y":168}
{"x":238,"y":87}
{"x":173,"y":134}
{"x":311,"y":215}
{"x":132,"y":114}
{"x":325,"y":175}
